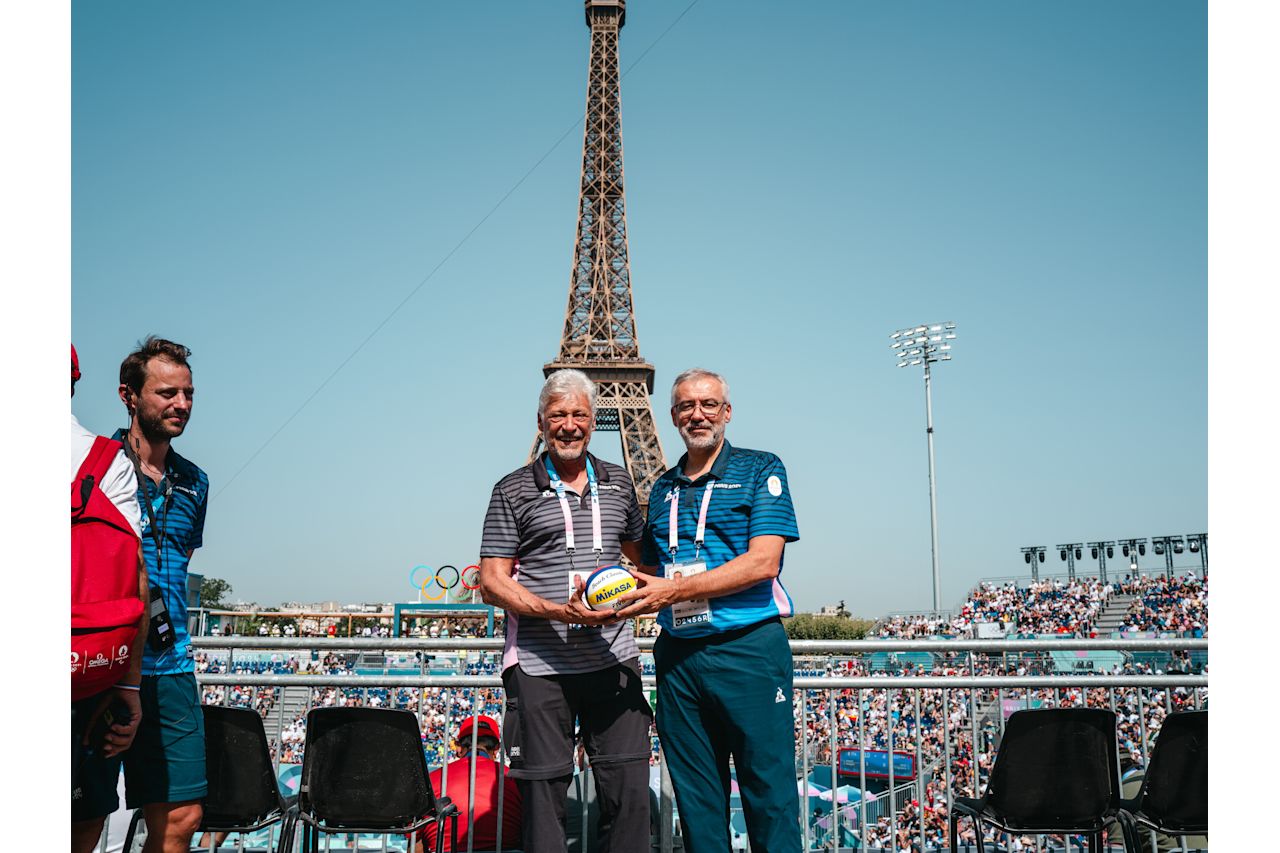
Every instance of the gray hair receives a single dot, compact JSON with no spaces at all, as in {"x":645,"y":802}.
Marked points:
{"x":567,"y":381}
{"x":698,"y":373}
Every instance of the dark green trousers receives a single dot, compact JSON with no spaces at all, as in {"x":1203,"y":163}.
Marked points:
{"x":730,"y":695}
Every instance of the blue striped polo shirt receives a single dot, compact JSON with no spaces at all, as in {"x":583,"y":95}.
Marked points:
{"x":178,"y":504}
{"x":750,"y":497}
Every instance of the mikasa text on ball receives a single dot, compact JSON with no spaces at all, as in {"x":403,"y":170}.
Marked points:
{"x":606,"y":586}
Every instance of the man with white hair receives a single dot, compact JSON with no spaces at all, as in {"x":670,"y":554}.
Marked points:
{"x":549,"y":525}
{"x":712,"y":569}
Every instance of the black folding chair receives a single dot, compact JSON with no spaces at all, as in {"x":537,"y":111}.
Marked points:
{"x":243,"y":793}
{"x":1055,"y":773}
{"x":363,"y":770}
{"x":1174,"y":797}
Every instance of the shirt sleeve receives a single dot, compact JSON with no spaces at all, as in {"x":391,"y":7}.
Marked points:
{"x":121,"y":487}
{"x":650,"y":553}
{"x":635,"y":521}
{"x":771,"y":511}
{"x":196,"y":539}
{"x":501,"y":536}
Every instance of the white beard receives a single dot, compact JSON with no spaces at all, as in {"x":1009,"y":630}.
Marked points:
{"x":702,"y":441}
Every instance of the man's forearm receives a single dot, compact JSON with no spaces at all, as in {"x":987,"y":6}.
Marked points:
{"x":500,"y":589}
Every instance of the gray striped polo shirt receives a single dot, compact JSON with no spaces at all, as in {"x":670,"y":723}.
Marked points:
{"x":525,"y":522}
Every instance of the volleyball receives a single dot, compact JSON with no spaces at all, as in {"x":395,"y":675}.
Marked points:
{"x":606,"y":585}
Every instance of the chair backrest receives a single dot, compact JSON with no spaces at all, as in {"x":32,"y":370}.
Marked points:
{"x":1056,"y":768}
{"x":364,"y":767}
{"x":1175,"y":794}
{"x":242,"y":782}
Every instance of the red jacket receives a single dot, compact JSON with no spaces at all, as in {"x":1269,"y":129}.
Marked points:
{"x":486,"y":807}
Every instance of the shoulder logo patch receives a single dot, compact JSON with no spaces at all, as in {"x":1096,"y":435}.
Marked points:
{"x":775,"y":485}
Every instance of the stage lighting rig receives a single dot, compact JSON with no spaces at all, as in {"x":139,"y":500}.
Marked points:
{"x":1033,"y":556}
{"x":1101,"y":551}
{"x":1198,"y":543}
{"x":1133,"y":549}
{"x":1070,"y":552}
{"x":1168,"y":546}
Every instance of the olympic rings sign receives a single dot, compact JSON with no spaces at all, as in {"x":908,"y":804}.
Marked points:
{"x":443,"y":579}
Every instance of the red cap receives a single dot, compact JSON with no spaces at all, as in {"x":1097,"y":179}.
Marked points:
{"x":485,"y":727}
{"x":75,"y":365}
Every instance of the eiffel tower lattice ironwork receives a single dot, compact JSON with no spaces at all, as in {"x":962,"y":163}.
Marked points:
{"x":600,"y":323}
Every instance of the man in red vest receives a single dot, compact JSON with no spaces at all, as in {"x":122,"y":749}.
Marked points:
{"x":485,"y":826}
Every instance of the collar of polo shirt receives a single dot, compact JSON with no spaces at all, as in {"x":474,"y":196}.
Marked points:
{"x":717,"y":469}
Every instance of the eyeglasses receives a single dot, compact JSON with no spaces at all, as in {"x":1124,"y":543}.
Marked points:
{"x":563,"y":417}
{"x":711,"y":408}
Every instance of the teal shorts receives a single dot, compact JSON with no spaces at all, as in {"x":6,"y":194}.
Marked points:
{"x":166,"y":762}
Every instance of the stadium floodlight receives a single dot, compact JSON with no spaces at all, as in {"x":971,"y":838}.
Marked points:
{"x":1101,"y":551}
{"x":1033,"y":555}
{"x":1168,"y":546}
{"x":1198,"y":543}
{"x":1133,"y":549}
{"x":1070,"y":552}
{"x":926,"y":349}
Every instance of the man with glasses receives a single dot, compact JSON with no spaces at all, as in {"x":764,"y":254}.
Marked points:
{"x":549,"y":525}
{"x":712,"y":561}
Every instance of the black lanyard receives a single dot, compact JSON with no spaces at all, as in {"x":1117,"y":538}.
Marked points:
{"x":144,"y":483}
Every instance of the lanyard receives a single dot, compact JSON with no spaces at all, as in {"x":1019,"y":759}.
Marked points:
{"x":597,"y":542}
{"x":148,"y":503}
{"x":673,"y":532}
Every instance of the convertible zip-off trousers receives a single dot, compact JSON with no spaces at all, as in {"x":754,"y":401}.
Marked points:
{"x":538,"y":734}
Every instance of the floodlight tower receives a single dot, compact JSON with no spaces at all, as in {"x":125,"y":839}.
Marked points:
{"x":1034,"y":556}
{"x":1100,"y":551}
{"x":927,"y":345}
{"x":1070,"y":552}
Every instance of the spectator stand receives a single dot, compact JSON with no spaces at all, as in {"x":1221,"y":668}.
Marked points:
{"x":405,"y":615}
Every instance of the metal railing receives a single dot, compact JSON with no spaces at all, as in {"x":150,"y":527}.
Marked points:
{"x":949,"y":721}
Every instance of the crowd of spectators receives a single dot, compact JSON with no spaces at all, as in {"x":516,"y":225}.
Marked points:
{"x":1050,"y":606}
{"x":942,"y":724}
{"x":1179,"y":605}
{"x":1066,"y":607}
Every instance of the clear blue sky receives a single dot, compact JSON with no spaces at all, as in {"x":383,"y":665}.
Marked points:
{"x":267,"y":182}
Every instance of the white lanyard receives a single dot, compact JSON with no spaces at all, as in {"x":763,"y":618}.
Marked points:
{"x":673,"y":533}
{"x":597,"y":541}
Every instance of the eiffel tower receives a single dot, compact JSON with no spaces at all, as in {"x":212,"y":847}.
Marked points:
{"x":600,"y":323}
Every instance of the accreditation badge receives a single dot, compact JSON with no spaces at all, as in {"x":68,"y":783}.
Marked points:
{"x":688,"y":613}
